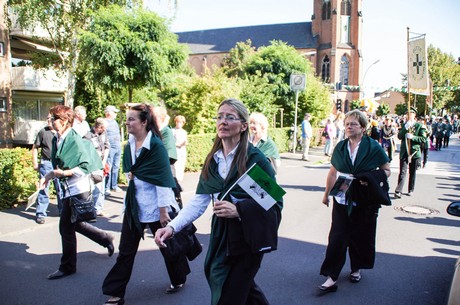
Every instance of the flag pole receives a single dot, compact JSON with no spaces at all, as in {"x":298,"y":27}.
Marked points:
{"x":408,"y":146}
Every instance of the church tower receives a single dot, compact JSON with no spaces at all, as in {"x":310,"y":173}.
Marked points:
{"x":337,"y":24}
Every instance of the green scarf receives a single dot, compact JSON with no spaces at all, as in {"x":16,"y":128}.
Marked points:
{"x":215,"y":268}
{"x":73,"y":152}
{"x":370,"y":155}
{"x":169,"y":142}
{"x":269,"y":148}
{"x":151,"y":166}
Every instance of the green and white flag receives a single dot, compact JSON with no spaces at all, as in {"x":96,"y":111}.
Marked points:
{"x":261,"y":187}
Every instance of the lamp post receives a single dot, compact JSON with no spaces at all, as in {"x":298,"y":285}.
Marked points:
{"x":364,"y":77}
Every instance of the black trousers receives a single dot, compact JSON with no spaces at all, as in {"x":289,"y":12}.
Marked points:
{"x":240,"y":287}
{"x":118,"y":277}
{"x":403,"y":173}
{"x":67,"y":230}
{"x":355,"y":233}
{"x":438,"y":143}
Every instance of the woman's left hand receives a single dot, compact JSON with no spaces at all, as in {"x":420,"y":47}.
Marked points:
{"x":225,"y":209}
{"x":164,"y":217}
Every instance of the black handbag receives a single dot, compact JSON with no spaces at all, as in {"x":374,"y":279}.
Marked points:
{"x":82,"y":209}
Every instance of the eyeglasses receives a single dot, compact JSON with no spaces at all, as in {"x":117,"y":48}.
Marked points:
{"x":228,"y":118}
{"x":352,"y":124}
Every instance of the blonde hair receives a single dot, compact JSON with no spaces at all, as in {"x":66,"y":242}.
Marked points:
{"x":179,"y":118}
{"x":261,"y":119}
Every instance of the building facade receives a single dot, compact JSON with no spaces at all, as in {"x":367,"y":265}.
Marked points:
{"x":331,"y":42}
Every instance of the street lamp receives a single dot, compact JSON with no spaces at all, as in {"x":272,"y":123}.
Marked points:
{"x":364,"y":77}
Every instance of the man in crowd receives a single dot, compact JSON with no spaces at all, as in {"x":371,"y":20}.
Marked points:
{"x":43,"y":165}
{"x":80,"y":125}
{"x":307,"y":133}
{"x":412,"y":134}
{"x":113,"y":134}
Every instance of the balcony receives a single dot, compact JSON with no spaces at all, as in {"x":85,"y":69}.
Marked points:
{"x":29,"y":79}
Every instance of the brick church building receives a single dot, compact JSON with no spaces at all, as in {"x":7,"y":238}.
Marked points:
{"x":331,"y":41}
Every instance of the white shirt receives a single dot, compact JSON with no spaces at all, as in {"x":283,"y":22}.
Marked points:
{"x":150,"y":197}
{"x":82,"y":128}
{"x":199,"y":202}
{"x":341,"y":199}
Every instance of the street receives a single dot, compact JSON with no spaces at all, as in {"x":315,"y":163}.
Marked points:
{"x":417,"y":245}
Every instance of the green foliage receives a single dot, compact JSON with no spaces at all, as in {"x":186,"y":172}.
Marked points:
{"x":356,"y":104}
{"x":275,"y":64}
{"x":401,"y":109}
{"x":444,"y":71}
{"x":197,"y":99}
{"x":17,"y":176}
{"x":383,"y":109}
{"x":129,"y":49}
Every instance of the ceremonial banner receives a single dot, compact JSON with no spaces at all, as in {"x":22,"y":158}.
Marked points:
{"x":418,"y":67}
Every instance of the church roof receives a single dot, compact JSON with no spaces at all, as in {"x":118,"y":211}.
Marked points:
{"x":298,"y":35}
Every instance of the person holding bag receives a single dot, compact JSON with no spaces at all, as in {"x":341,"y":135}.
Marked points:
{"x":242,"y":231}
{"x":73,"y":161}
{"x":149,"y":202}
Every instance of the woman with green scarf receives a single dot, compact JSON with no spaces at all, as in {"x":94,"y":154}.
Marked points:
{"x":73,"y":159}
{"x":353,"y":223}
{"x":242,"y":231}
{"x":258,"y":125}
{"x":148,"y":203}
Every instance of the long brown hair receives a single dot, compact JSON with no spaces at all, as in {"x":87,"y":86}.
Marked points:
{"x":241,"y":154}
{"x":146,"y":114}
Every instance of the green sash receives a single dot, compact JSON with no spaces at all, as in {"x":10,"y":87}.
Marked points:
{"x":151,"y":166}
{"x":73,"y":152}
{"x":269,"y":148}
{"x":370,"y":155}
{"x":215,"y":268}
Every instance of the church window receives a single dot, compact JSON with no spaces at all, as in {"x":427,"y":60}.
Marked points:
{"x":345,"y":8}
{"x":344,"y":70}
{"x":326,"y":13}
{"x":325,"y":69}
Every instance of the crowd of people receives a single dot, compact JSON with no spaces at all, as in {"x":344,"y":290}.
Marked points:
{"x":360,"y":147}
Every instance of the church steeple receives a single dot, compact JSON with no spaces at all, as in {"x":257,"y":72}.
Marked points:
{"x":337,"y":26}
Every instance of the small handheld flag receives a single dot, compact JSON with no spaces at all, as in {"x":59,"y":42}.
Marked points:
{"x":261,"y":187}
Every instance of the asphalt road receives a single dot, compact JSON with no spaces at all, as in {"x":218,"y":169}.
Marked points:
{"x":414,"y":263}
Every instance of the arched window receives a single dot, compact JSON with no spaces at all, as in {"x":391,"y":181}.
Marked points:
{"x":326,"y":13}
{"x":344,"y":70}
{"x":345,"y":8}
{"x":325,"y":69}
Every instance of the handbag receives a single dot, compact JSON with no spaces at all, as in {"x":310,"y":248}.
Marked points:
{"x":82,"y":209}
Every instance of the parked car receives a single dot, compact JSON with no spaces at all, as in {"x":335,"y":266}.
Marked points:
{"x":454,"y":295}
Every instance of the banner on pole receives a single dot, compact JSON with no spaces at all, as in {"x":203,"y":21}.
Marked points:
{"x":418,"y":67}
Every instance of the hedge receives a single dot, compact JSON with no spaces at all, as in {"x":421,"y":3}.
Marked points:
{"x":18,"y":178}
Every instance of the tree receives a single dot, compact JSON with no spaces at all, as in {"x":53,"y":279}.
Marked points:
{"x":383,"y":109}
{"x":129,"y":49}
{"x":444,"y":73}
{"x":275,"y":63}
{"x":61,"y":19}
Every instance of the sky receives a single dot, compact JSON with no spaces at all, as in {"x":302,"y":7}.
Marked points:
{"x":384,"y":27}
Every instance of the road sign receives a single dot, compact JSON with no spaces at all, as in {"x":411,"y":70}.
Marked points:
{"x":298,"y":82}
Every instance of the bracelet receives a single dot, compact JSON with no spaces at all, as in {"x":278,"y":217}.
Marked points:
{"x":173,"y":231}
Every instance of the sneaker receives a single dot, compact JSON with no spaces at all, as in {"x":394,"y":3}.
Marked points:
{"x":100,"y":213}
{"x":40,"y":220}
{"x":117,"y":190}
{"x":173,"y":289}
{"x":107,"y":193}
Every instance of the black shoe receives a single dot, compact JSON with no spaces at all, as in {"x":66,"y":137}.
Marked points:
{"x":397,"y":195}
{"x":409,"y":194}
{"x":326,"y":289}
{"x":355,"y":278}
{"x":173,"y":288}
{"x":58,"y":274}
